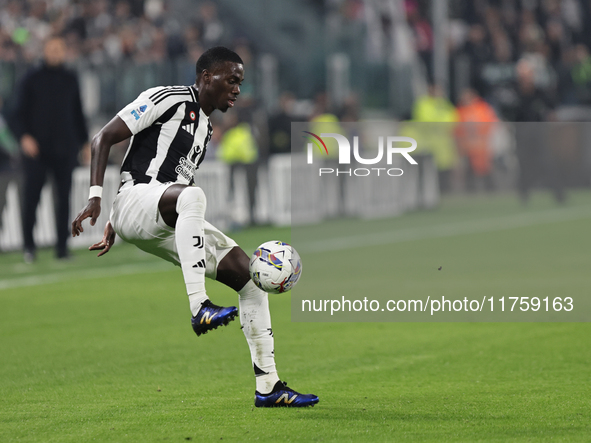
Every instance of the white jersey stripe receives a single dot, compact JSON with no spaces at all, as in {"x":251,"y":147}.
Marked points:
{"x":193,"y":93}
{"x":167,"y":134}
{"x":201,"y":133}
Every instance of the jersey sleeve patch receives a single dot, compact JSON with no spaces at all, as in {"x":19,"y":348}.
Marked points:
{"x":144,"y":111}
{"x":137,"y":113}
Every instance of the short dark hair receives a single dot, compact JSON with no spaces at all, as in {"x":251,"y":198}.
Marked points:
{"x":214,"y":56}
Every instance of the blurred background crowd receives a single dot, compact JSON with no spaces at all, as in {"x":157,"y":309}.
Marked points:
{"x":482,"y":42}
{"x":496,"y":62}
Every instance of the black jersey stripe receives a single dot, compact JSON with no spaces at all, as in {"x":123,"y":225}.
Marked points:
{"x":168,"y":114}
{"x":171,"y":137}
{"x":165,"y":90}
{"x":170,"y":94}
{"x":142,"y":150}
{"x":165,"y":93}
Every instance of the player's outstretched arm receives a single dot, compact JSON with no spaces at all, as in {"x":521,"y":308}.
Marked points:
{"x":105,"y":244}
{"x":113,"y":132}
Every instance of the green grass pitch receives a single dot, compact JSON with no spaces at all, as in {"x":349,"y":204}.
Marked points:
{"x":102,"y":350}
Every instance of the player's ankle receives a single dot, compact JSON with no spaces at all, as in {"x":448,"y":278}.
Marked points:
{"x":266,"y":382}
{"x":196,"y":301}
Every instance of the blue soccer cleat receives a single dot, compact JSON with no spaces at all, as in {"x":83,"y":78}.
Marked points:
{"x":281,"y":395}
{"x":211,"y":317}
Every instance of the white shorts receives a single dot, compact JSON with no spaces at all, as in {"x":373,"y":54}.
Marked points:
{"x":136,"y":219}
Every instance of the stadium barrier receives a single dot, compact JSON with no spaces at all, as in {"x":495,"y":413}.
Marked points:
{"x":313,"y":199}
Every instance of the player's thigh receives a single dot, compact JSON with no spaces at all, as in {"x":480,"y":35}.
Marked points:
{"x":217,"y":245}
{"x":136,"y":219}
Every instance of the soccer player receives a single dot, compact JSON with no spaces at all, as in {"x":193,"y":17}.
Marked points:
{"x":159,"y":209}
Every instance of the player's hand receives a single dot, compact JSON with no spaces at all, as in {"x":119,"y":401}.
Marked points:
{"x":92,"y":210}
{"x":29,"y":146}
{"x":105,"y":244}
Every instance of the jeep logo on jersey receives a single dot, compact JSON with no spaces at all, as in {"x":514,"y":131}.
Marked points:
{"x":194,"y":154}
{"x":187,"y":165}
{"x":344,"y":148}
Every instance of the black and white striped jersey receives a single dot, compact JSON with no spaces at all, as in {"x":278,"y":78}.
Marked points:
{"x":170,"y":135}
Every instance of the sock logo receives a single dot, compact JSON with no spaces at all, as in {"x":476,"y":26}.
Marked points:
{"x":258,"y":371}
{"x":199,"y":243}
{"x":200,"y":264}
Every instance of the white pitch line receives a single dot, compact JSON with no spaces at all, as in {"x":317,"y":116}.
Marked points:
{"x":337,"y":244}
{"x":446,"y":230}
{"x":74,"y":275}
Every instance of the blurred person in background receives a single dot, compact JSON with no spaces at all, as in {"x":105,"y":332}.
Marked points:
{"x":50,"y":125}
{"x":581,"y":74}
{"x":8,"y":158}
{"x":211,"y":28}
{"x":423,"y":35}
{"x":350,"y":109}
{"x":476,"y":123}
{"x":323,"y":119}
{"x":529,"y":107}
{"x":479,"y":52}
{"x":438,"y":139}
{"x":238,"y":148}
{"x":527,"y":102}
{"x":280,"y":125}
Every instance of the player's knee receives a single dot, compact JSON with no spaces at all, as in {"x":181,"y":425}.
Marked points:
{"x":232,"y":270}
{"x":191,"y":197}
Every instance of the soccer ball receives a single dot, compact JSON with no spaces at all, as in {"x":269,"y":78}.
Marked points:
{"x":275,"y":267}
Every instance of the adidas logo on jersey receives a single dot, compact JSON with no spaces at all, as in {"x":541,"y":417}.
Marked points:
{"x":190,"y":128}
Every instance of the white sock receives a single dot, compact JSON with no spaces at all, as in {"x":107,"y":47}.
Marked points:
{"x":255,"y":319}
{"x":195,"y":302}
{"x":189,"y":238}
